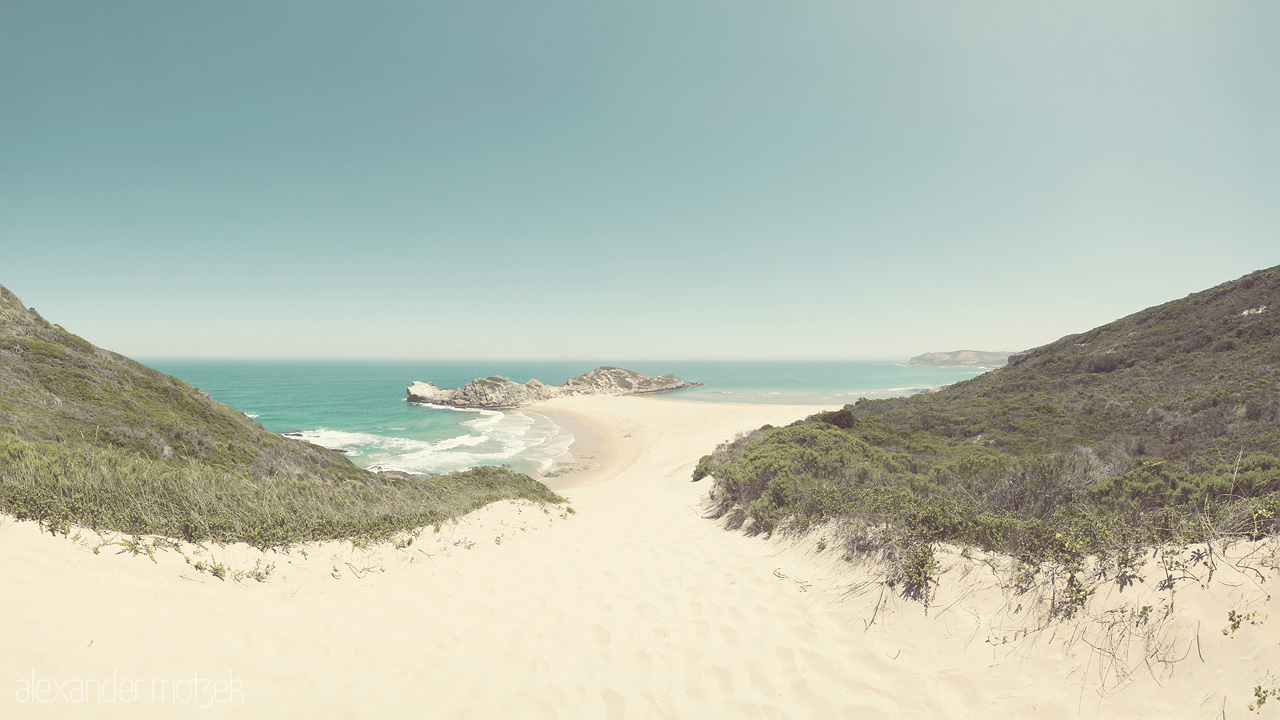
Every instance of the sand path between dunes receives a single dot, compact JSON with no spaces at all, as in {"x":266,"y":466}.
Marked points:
{"x":633,"y":606}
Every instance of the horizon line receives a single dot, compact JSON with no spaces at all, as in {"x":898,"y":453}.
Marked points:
{"x":346,"y":358}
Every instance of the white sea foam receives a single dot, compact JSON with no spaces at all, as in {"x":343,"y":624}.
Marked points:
{"x":515,"y":438}
{"x":359,"y":443}
{"x":487,"y":419}
{"x":450,"y":408}
{"x":460,"y":441}
{"x":879,"y":391}
{"x":250,"y":415}
{"x":547,"y":441}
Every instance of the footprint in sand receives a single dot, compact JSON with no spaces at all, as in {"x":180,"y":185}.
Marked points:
{"x":728,"y":634}
{"x":724,"y":679}
{"x":601,"y":635}
{"x":614,"y":704}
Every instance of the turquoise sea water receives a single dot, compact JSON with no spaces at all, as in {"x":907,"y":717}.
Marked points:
{"x":360,"y":406}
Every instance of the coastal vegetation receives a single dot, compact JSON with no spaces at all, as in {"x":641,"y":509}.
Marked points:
{"x":1161,"y":427}
{"x":92,"y":438}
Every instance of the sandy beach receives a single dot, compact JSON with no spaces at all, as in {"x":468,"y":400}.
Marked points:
{"x":628,"y":603}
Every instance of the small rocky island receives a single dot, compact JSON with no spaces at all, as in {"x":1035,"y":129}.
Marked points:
{"x":499,"y":393}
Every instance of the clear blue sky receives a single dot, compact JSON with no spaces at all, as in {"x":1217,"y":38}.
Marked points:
{"x":581,"y":180}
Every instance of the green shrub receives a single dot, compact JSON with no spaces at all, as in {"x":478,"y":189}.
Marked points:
{"x":703,"y":468}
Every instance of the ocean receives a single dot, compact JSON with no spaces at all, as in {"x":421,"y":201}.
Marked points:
{"x":360,"y":406}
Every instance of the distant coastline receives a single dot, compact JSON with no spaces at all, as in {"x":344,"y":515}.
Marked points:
{"x":363,"y":410}
{"x":963,"y":358}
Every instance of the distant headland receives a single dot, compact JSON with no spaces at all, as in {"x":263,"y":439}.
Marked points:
{"x":962,"y":358}
{"x":498,"y":392}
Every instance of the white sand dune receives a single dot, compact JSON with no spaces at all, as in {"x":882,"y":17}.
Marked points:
{"x":632,"y":606}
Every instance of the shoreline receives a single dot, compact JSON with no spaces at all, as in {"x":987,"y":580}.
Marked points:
{"x":583,"y":452}
{"x":600,"y":447}
{"x":605,"y":443}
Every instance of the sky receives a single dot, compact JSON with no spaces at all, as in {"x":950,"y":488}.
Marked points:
{"x":718,"y":180}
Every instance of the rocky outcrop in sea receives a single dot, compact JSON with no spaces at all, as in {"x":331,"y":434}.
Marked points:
{"x":498,"y":392}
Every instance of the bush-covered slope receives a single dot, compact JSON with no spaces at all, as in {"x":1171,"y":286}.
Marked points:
{"x":92,"y":437}
{"x":1162,"y":425}
{"x":1177,"y":380}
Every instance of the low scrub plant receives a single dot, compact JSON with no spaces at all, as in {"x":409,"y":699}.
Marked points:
{"x":112,"y":489}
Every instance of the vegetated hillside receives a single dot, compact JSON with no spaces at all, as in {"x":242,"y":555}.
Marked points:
{"x":1192,"y":376}
{"x":1161,"y":426}
{"x":91,"y":437}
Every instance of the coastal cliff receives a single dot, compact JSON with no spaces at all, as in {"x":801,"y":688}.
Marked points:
{"x":498,"y":392}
